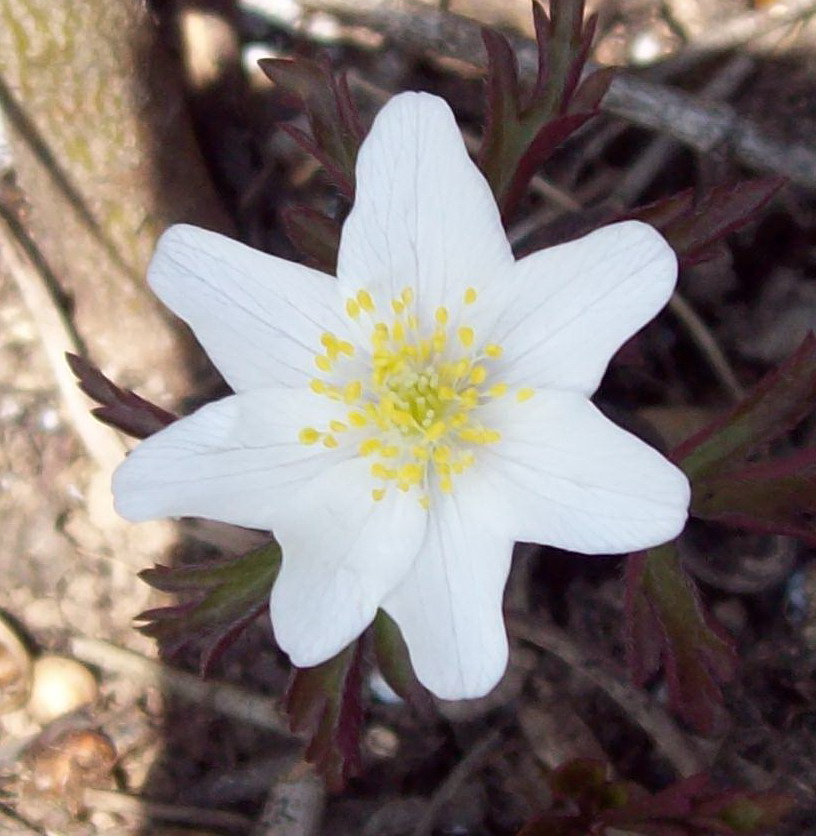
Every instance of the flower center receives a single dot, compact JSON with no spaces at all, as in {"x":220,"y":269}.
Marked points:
{"x":414,"y":411}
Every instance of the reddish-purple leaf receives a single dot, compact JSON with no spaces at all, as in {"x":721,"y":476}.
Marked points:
{"x":225,"y":597}
{"x":665,"y":619}
{"x":120,"y":408}
{"x":777,"y":496}
{"x":689,"y":807}
{"x":333,"y":118}
{"x":780,"y":401}
{"x":521,"y":131}
{"x":325,"y":702}
{"x":315,"y":235}
{"x":693,"y":230}
{"x":395,"y":664}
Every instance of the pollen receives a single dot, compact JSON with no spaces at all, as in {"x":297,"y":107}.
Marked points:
{"x":309,"y":435}
{"x":365,"y":301}
{"x":411,"y":399}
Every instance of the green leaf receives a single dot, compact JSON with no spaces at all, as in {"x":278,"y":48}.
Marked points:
{"x":326,"y":702}
{"x":395,"y":664}
{"x":225,"y":597}
{"x":750,"y":812}
{"x":666,"y":622}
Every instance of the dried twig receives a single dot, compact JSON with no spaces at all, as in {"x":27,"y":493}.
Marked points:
{"x":295,"y":806}
{"x":471,"y":762}
{"x":751,"y":26}
{"x":708,"y":345}
{"x":235,"y":702}
{"x":119,"y":802}
{"x":668,"y":739}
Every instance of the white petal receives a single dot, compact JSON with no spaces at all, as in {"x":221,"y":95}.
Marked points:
{"x":579,"y":302}
{"x":236,"y":460}
{"x":342,"y":553}
{"x":258,"y":317}
{"x":423,"y":215}
{"x":449,"y":607}
{"x":577,"y":481}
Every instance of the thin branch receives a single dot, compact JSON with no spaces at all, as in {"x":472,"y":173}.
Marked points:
{"x":295,"y":805}
{"x":745,"y":28}
{"x":230,"y":700}
{"x":708,"y":345}
{"x":469,"y":764}
{"x":112,"y":801}
{"x":667,"y":737}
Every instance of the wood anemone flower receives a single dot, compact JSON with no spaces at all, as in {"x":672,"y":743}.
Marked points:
{"x":400,"y":426}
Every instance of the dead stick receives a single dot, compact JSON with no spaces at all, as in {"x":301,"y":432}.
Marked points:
{"x":668,"y":739}
{"x":227,"y":699}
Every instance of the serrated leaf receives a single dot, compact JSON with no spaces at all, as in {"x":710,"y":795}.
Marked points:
{"x":226,"y":596}
{"x":666,"y":621}
{"x":333,"y":118}
{"x":694,"y":229}
{"x":394,"y":663}
{"x":315,"y":235}
{"x":688,"y":807}
{"x":780,"y":401}
{"x":120,"y":408}
{"x":521,"y":130}
{"x":326,"y":702}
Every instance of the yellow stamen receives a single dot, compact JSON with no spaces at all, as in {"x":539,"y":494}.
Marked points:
{"x":466,"y":336}
{"x":524,"y":394}
{"x":365,"y":301}
{"x":308,"y":435}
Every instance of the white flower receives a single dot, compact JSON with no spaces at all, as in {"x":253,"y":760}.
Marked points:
{"x":399,"y":427}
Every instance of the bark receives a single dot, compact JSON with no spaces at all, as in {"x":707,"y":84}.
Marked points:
{"x":105,"y":154}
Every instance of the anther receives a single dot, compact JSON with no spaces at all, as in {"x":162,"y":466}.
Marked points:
{"x":466,"y":336}
{"x":365,"y":301}
{"x":308,"y":435}
{"x":524,"y":394}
